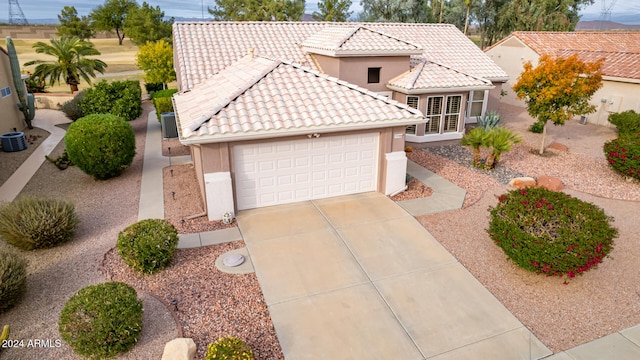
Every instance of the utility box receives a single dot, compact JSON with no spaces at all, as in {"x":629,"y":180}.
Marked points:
{"x":169,"y":127}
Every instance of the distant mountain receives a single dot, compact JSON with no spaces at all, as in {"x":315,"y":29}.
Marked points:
{"x":598,"y":25}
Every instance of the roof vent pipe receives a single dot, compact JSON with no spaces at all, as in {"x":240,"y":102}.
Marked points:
{"x":251,"y":52}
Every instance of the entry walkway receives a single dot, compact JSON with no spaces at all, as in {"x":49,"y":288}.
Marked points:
{"x":357,"y":277}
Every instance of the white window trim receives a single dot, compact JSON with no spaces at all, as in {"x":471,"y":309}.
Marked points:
{"x":412,"y":129}
{"x":445,"y":114}
{"x":470,"y":101}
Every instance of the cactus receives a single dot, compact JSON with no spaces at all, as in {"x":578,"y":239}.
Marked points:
{"x":26,"y":104}
{"x":489,"y":121}
{"x":5,"y":334}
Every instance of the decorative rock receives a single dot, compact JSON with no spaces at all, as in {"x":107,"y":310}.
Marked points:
{"x":179,"y":349}
{"x":233,"y":260}
{"x":558,"y":146}
{"x":522,"y":182}
{"x":550,"y":183}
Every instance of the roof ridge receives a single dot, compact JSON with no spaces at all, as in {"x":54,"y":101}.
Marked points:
{"x":349,"y":36}
{"x":418,"y":70}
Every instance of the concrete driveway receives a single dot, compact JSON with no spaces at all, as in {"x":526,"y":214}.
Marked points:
{"x":357,"y":277}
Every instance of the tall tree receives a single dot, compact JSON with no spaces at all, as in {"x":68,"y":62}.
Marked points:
{"x":71,"y":62}
{"x":156,"y":59}
{"x":333,"y":10}
{"x":558,"y":89}
{"x":146,"y":23}
{"x":467,"y":4}
{"x":540,"y":15}
{"x":486,"y":14}
{"x":110,"y":16}
{"x":73,"y":25}
{"x":258,"y":10}
{"x":410,"y":11}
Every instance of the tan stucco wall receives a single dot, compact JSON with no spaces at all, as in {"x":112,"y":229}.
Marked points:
{"x":620,"y":96}
{"x":11,"y":117}
{"x":355,"y":70}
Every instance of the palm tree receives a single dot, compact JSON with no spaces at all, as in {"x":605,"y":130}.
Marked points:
{"x":71,"y":64}
{"x":476,"y":138}
{"x":500,"y":139}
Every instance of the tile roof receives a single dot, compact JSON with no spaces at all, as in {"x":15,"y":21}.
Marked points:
{"x":428,"y":76}
{"x":258,"y":97}
{"x":621,"y":49}
{"x":204,"y":48}
{"x":357,"y":40}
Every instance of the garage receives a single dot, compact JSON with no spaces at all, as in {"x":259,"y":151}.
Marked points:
{"x":280,"y":172}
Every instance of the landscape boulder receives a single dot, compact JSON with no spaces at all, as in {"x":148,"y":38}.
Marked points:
{"x":522,"y":182}
{"x":550,"y":183}
{"x":179,"y":349}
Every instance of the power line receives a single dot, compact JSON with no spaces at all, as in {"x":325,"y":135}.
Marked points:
{"x":16,"y":16}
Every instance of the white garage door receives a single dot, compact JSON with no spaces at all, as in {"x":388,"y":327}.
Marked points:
{"x":296,"y":170}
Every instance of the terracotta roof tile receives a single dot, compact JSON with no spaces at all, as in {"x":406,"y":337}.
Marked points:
{"x":344,"y":40}
{"x":273,"y":98}
{"x":428,"y":76}
{"x":620,"y":49}
{"x":204,"y":48}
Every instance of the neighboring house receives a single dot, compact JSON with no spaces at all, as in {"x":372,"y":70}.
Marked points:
{"x":278,"y":112}
{"x":12,"y":118}
{"x":621,"y":68}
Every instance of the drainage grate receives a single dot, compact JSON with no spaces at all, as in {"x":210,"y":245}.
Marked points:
{"x":14,"y":141}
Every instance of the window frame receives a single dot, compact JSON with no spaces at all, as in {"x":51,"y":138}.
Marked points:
{"x":373,"y":75}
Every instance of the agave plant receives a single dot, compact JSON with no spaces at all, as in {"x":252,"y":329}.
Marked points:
{"x":489,"y":120}
{"x":476,"y":138}
{"x":500,"y":140}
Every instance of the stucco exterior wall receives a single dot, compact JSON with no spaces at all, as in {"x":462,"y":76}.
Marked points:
{"x":12,"y":117}
{"x":614,"y":96}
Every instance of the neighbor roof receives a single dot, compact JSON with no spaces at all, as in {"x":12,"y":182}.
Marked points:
{"x":357,"y":41}
{"x":620,"y":49}
{"x":428,"y":77}
{"x":259,"y":97}
{"x":202,"y":49}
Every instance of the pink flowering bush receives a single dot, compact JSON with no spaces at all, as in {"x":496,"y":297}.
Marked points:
{"x":551,"y":232}
{"x":623,"y":155}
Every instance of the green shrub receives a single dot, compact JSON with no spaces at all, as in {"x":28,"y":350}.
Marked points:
{"x":101,"y":321}
{"x":34,"y":223}
{"x":72,"y":108}
{"x":120,"y":98}
{"x":229,"y":348}
{"x":551,"y":232}
{"x":623,"y":155}
{"x":148,"y":245}
{"x":162,"y":101}
{"x":101,"y":145}
{"x":13,"y":278}
{"x":164,"y":93}
{"x":537,"y":127}
{"x":153,"y":87}
{"x":627,"y":123}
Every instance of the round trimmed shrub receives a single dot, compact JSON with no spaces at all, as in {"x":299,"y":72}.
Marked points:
{"x":103,"y":320}
{"x":229,"y":348}
{"x":13,"y":278}
{"x":101,"y":145}
{"x":627,"y":122}
{"x":31,"y":223}
{"x":148,"y":245}
{"x":551,"y":232}
{"x":623,"y":155}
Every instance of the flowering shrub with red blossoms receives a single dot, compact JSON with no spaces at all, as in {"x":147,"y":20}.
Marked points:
{"x":551,"y":232}
{"x":623,"y":155}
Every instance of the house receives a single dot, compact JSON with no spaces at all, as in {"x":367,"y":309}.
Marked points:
{"x":12,"y":118}
{"x":621,"y":68}
{"x":278,"y":112}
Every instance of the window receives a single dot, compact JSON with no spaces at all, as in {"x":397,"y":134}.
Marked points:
{"x":373,"y":75}
{"x":5,"y":91}
{"x":452,"y":115}
{"x":412,"y":101}
{"x":476,"y":103}
{"x":441,"y":119}
{"x":434,"y":114}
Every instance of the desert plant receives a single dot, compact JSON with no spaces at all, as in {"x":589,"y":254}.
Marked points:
{"x":476,"y":138}
{"x":72,"y":109}
{"x":120,"y":98}
{"x":551,"y":232}
{"x":103,"y":320}
{"x":30,"y":222}
{"x":537,"y":127}
{"x":627,"y":123}
{"x":148,"y":245}
{"x":61,"y":162}
{"x":35,"y":84}
{"x":623,"y":155}
{"x":229,"y":348}
{"x":27,"y":101}
{"x":500,"y":140}
{"x":101,"y":145}
{"x":13,"y":278}
{"x":489,"y":120}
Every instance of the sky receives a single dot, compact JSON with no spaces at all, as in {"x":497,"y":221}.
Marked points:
{"x":624,"y":11}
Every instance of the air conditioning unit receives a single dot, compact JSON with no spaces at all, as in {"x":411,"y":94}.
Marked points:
{"x":169,"y":127}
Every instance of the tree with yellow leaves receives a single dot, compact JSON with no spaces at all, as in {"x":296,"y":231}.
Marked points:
{"x":156,"y":59}
{"x":558,"y":89}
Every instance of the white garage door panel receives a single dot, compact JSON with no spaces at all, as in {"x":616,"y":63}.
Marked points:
{"x":297,"y":170}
